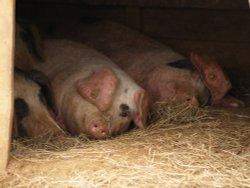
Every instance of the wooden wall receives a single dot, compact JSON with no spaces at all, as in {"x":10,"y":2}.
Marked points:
{"x":217,"y":28}
{"x":6,"y":79}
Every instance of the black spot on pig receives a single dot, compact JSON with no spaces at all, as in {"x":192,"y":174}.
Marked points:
{"x":21,"y":110}
{"x":182,"y":64}
{"x":46,"y":94}
{"x":31,"y":37}
{"x":125,"y":110}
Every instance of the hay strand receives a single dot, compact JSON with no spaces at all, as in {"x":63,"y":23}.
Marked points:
{"x":182,"y":147}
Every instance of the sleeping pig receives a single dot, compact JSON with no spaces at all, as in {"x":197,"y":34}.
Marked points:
{"x":28,"y":47}
{"x":32,"y":114}
{"x":34,"y":104}
{"x":93,"y":96}
{"x":163,"y":73}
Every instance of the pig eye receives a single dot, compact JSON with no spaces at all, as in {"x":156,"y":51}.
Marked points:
{"x":125,"y":110}
{"x":211,"y":76}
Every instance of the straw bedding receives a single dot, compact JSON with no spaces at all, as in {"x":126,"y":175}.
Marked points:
{"x":182,"y":147}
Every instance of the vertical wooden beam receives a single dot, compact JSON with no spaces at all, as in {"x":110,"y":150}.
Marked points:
{"x":7,"y":13}
{"x":133,"y":17}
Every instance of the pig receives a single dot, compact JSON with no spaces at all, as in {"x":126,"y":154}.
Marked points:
{"x":32,"y":103}
{"x":28,"y":46}
{"x":162,"y":72}
{"x":93,"y":96}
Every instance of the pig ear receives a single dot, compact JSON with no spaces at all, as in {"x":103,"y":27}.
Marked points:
{"x":212,"y":76}
{"x":30,"y":35}
{"x":142,"y":106}
{"x":99,"y":88}
{"x":37,"y":44}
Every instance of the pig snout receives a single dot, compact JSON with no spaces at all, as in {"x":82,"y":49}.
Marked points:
{"x":96,"y":126}
{"x":192,"y":102}
{"x":98,"y":130}
{"x":82,"y":117}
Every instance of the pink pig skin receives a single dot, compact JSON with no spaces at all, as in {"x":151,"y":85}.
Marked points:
{"x":89,"y":90}
{"x":145,"y":60}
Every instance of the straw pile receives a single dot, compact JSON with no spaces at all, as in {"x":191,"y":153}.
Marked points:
{"x":182,"y":147}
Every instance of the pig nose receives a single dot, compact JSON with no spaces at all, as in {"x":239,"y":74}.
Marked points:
{"x":99,"y":131}
{"x":193,"y":102}
{"x":124,"y":110}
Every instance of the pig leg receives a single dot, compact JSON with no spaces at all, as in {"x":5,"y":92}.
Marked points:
{"x":230,"y":101}
{"x":99,"y":88}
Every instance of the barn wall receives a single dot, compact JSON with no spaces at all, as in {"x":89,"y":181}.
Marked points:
{"x":216,"y":28}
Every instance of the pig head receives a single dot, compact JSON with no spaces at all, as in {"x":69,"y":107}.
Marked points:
{"x":33,"y":117}
{"x":148,"y":63}
{"x":93,"y":95}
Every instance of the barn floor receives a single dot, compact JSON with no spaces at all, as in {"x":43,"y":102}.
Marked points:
{"x":213,"y":151}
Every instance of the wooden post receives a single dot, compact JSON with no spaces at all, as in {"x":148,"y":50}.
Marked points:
{"x":7,"y":8}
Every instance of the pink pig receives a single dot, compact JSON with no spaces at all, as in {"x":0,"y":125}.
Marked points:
{"x":165,"y":74}
{"x":93,"y":95}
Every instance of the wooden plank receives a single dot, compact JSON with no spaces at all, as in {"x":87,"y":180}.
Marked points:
{"x":197,"y":24}
{"x":51,"y":12}
{"x":133,"y":17}
{"x":214,"y":4}
{"x":6,"y":79}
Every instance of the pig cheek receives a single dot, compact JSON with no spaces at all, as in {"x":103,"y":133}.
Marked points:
{"x":217,"y":82}
{"x":120,"y":125}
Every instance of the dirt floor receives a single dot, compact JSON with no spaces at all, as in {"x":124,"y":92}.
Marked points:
{"x":212,"y":150}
